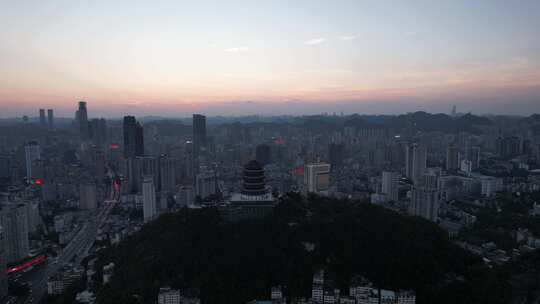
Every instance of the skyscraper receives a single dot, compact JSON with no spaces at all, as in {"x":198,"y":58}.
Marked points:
{"x":82,"y":117}
{"x":452,"y":158}
{"x":50,"y":117}
{"x":167,"y":173}
{"x":425,"y":198}
{"x":98,"y":131}
{"x":32,"y":153}
{"x":416,"y":161}
{"x":199,"y":134}
{"x":42,"y":120}
{"x":149,"y":198}
{"x":133,"y":137}
{"x":390,"y":182}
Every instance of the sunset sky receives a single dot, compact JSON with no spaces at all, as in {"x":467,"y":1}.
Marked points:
{"x":175,"y":57}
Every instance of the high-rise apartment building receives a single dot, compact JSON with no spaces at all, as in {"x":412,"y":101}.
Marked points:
{"x":390,"y":181}
{"x":167,"y":173}
{"x":317,"y":177}
{"x":416,"y":161}
{"x":133,"y":137}
{"x":452,"y":158}
{"x":425,"y":198}
{"x":15,"y":226}
{"x":32,"y":152}
{"x":149,"y":198}
{"x":199,"y":134}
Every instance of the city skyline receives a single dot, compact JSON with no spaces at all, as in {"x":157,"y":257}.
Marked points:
{"x":270,"y":58}
{"x":271,"y":151}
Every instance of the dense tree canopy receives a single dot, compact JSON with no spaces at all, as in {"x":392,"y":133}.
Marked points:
{"x":235,"y":262}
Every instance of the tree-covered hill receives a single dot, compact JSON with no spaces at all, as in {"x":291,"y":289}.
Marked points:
{"x":237,"y":262}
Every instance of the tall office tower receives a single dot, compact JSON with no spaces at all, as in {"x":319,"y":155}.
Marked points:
{"x":83,"y":120}
{"x":98,"y":131}
{"x":425,"y":202}
{"x":335,"y":154}
{"x":88,"y":197}
{"x":206,"y":183}
{"x":416,"y":161}
{"x":199,"y":134}
{"x":262,"y":154}
{"x":149,"y":198}
{"x":42,"y":119}
{"x":317,"y":177}
{"x":187,"y":159}
{"x":452,"y":158}
{"x":14,"y":222}
{"x":32,"y":153}
{"x":390,"y":182}
{"x":50,"y":119}
{"x":133,"y":137}
{"x":3,"y":275}
{"x":167,"y":173}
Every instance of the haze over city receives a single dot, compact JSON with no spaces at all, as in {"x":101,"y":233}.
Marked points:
{"x":270,"y":152}
{"x":173,"y":58}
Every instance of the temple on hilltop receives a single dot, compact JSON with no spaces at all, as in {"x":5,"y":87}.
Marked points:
{"x":255,"y":200}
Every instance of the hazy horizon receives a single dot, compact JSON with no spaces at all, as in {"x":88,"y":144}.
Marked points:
{"x":170,"y":58}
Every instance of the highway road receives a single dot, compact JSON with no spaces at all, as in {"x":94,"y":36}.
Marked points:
{"x":76,"y":250}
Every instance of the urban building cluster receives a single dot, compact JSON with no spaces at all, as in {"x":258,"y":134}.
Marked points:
{"x":361,"y":291}
{"x":70,"y":187}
